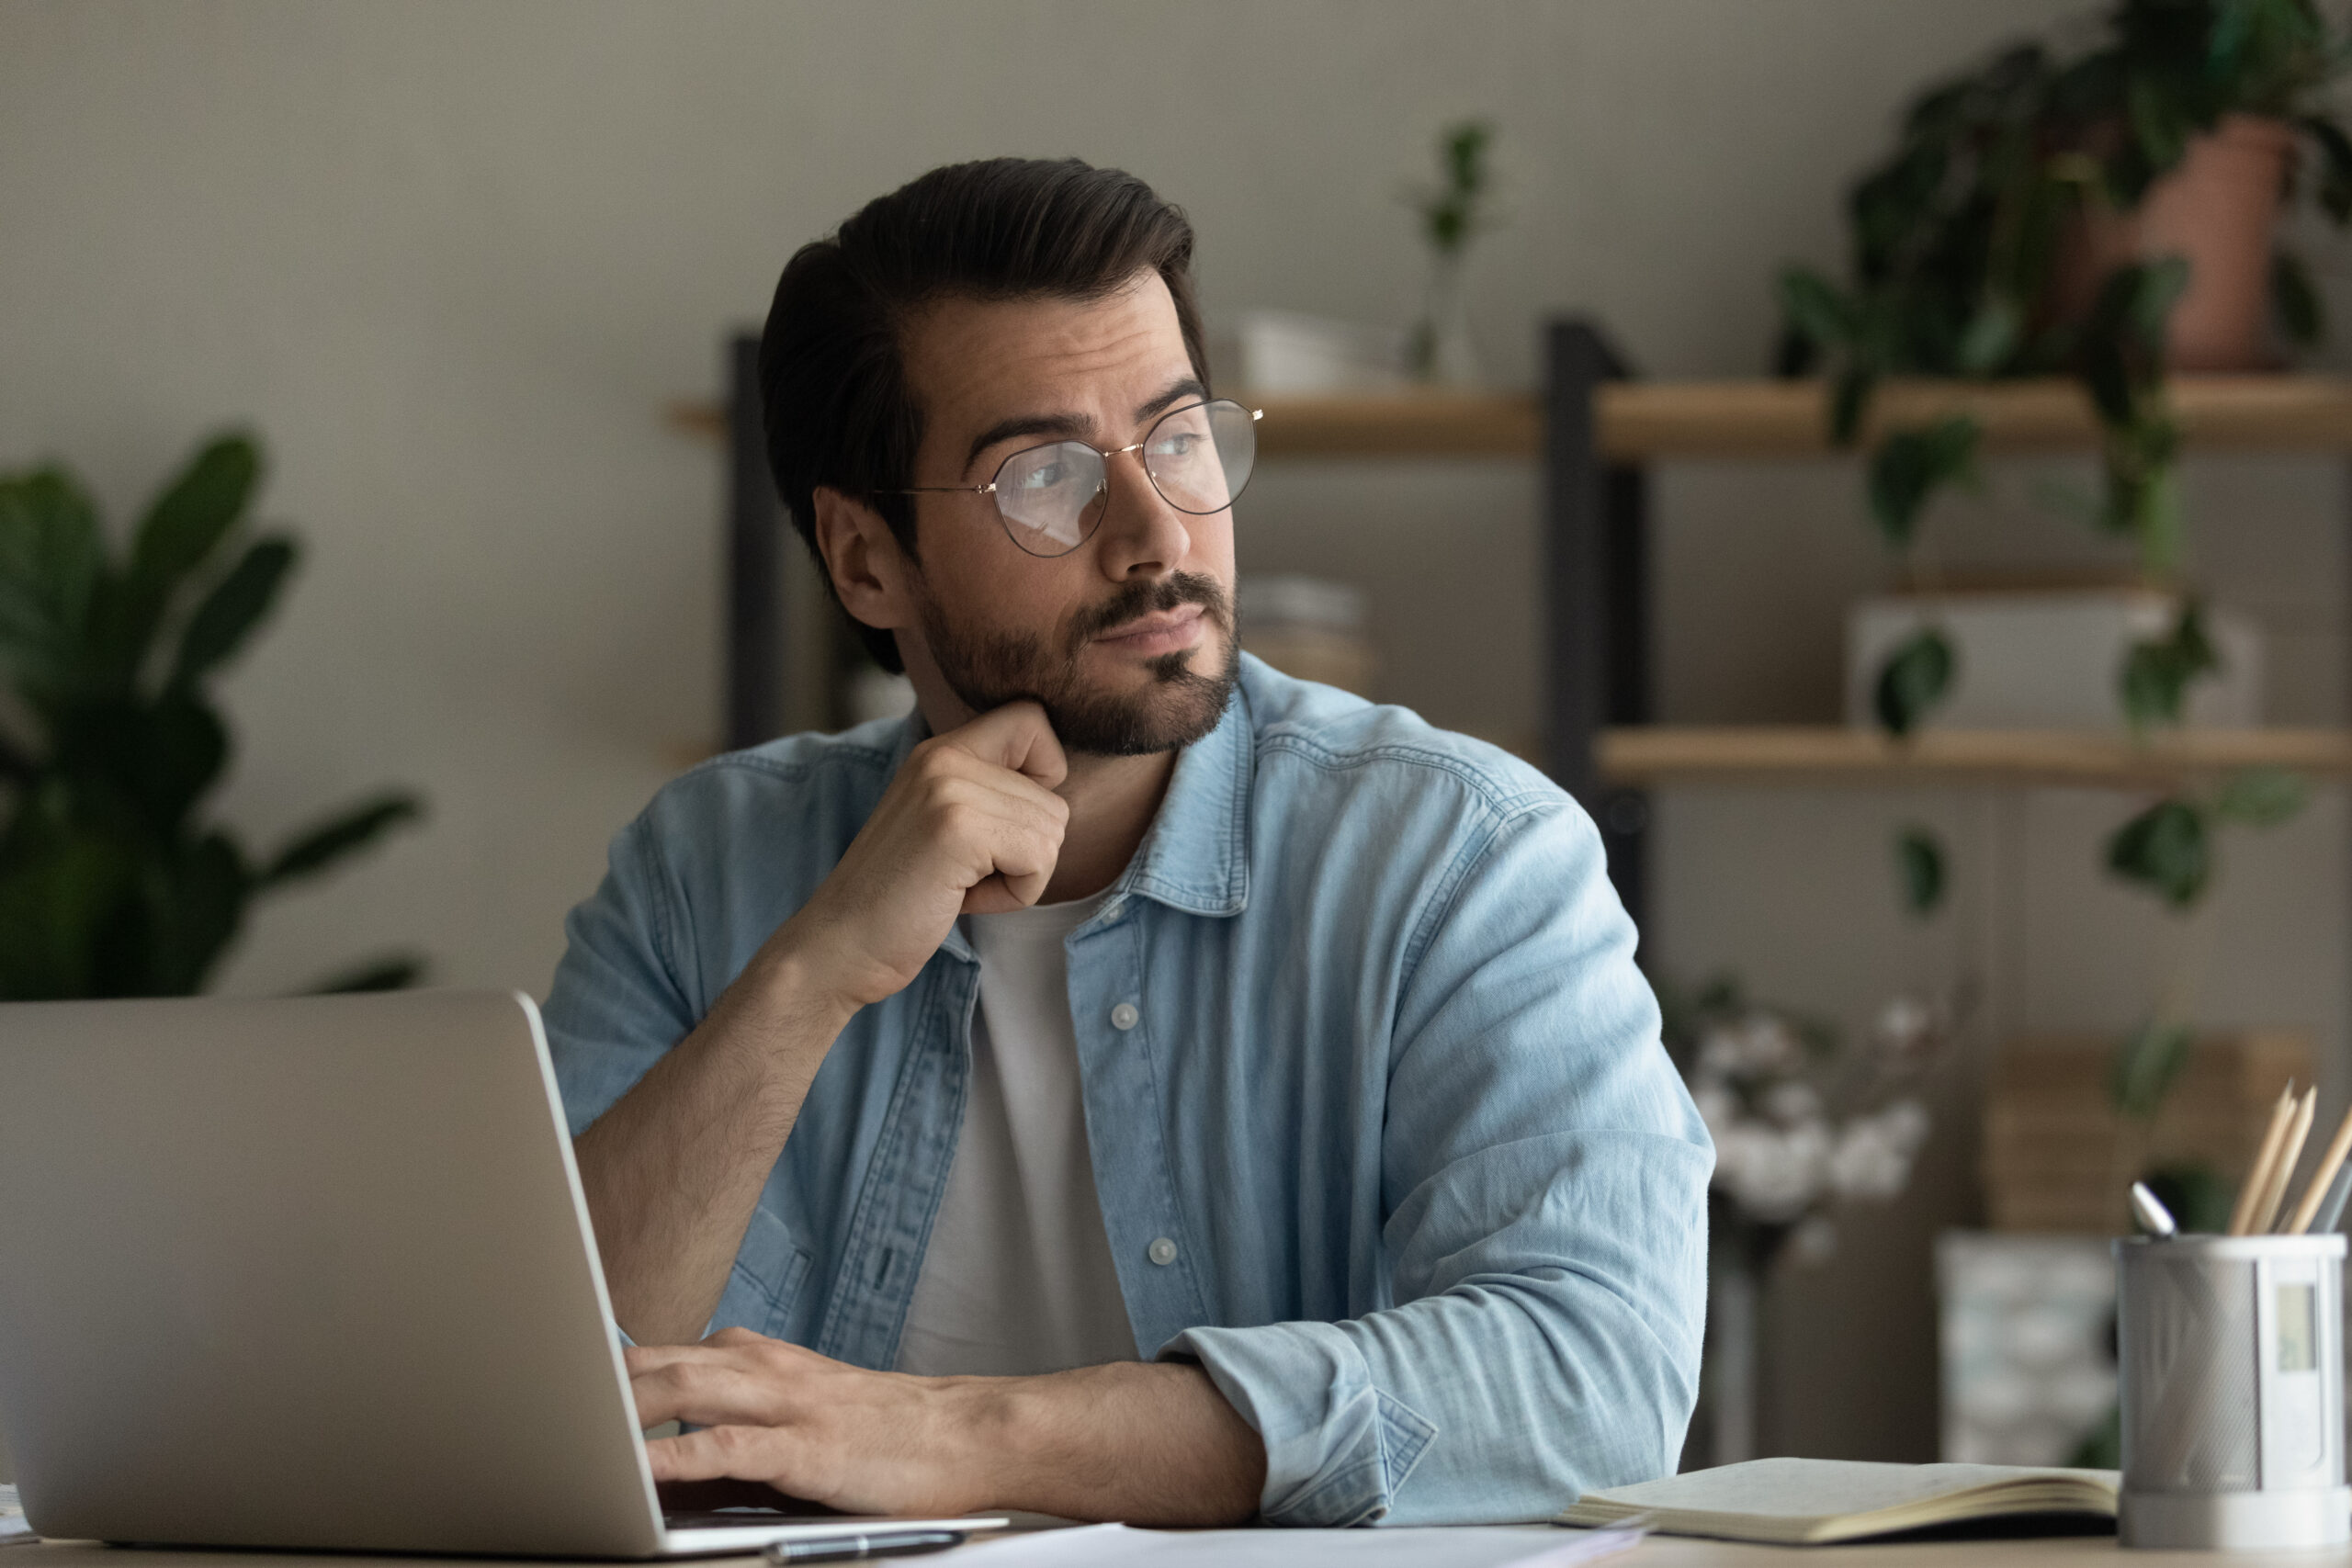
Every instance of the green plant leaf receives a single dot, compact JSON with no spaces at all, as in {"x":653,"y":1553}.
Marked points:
{"x":2145,"y":1066}
{"x":2157,"y":673}
{"x":180,"y":533}
{"x":52,"y":553}
{"x":2335,"y":166}
{"x":1910,"y":466}
{"x":2195,"y":1194}
{"x":1816,"y":307}
{"x":1849,"y":396}
{"x":1991,"y":336}
{"x":196,"y":511}
{"x":386,"y":972}
{"x":194,"y":904}
{"x":2163,"y":850}
{"x":1919,"y":865}
{"x":312,"y":851}
{"x":1913,"y":680}
{"x":2260,"y":797}
{"x":229,"y":614}
{"x":2293,"y":300}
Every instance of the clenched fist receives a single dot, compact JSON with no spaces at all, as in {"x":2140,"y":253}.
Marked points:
{"x":970,"y":825}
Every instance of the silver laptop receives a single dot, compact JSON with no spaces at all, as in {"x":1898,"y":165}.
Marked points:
{"x":317,"y":1273}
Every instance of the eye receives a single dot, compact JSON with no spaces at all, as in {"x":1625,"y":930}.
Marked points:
{"x":1178,"y":445}
{"x":1045,"y":476}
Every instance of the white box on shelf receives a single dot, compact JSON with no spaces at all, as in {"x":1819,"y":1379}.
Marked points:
{"x":1286,"y":352}
{"x":2049,"y":658}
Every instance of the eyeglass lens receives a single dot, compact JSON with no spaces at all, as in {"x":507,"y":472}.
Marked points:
{"x":1198,"y":459}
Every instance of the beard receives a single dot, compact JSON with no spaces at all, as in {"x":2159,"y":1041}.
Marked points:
{"x":987,"y":670}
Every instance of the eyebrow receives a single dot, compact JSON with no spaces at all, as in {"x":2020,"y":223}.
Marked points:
{"x":1070,"y":426}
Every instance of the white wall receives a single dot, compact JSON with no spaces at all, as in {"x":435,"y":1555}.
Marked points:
{"x":452,"y":258}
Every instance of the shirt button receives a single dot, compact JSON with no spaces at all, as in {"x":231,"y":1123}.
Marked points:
{"x":1124,"y":1016}
{"x":1162,"y":1252}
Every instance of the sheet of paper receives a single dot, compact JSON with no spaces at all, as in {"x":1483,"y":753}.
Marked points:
{"x":1117,"y":1546}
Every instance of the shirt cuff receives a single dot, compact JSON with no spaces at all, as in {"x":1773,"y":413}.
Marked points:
{"x":1337,"y":1447}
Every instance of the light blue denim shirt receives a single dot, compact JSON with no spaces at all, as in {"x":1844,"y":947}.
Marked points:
{"x":1382,"y":1132}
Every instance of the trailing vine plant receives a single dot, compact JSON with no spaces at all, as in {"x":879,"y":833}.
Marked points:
{"x":1956,"y":246}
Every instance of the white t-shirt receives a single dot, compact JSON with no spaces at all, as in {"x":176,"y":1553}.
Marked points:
{"x":1018,"y":1275}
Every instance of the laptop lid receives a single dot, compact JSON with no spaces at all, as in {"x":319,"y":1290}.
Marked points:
{"x":311,"y":1272}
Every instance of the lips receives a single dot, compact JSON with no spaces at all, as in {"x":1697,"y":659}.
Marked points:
{"x":1156,"y":632}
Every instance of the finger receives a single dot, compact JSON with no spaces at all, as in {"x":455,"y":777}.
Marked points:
{"x":1017,"y":736}
{"x":710,"y":1393}
{"x":717,"y":1453}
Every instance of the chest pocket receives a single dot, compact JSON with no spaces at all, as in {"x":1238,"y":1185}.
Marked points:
{"x":764,"y":1284}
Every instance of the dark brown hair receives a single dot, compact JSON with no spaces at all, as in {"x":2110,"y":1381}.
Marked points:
{"x":833,"y":396}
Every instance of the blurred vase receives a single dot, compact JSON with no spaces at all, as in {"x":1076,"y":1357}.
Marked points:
{"x":1441,"y":351}
{"x":2217,"y":209}
{"x":1731,"y":1356}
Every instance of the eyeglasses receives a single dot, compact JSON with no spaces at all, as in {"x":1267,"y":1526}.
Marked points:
{"x":1051,"y":497}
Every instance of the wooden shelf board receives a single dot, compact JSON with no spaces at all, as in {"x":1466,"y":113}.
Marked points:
{"x":1835,"y":754}
{"x":1642,"y":419}
{"x":1691,"y":419}
{"x":1423,"y":424}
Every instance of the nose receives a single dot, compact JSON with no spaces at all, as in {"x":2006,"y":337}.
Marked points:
{"x":1141,"y":535}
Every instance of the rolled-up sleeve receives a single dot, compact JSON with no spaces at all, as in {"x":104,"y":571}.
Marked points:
{"x":1544,"y":1181}
{"x":616,"y":1003}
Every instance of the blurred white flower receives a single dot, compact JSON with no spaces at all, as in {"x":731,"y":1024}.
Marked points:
{"x":1716,"y":1106}
{"x":1773,"y":1174}
{"x":1756,"y":1045}
{"x":1814,"y":1241}
{"x":1873,"y":1159}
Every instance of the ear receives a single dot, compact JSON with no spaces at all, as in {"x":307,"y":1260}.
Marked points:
{"x":869,"y":570}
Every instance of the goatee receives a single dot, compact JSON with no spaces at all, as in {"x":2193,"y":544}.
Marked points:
{"x":988,"y":670}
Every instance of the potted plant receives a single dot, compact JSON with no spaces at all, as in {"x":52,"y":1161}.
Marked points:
{"x":111,"y":882}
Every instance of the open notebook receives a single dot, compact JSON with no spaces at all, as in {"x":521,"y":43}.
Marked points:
{"x":1804,"y":1502}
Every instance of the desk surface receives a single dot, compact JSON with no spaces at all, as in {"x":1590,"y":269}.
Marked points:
{"x":1657,"y":1551}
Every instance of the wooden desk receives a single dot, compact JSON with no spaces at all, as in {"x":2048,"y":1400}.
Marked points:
{"x":1657,"y":1551}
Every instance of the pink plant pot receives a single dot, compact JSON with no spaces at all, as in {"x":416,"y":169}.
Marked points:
{"x":2217,"y":209}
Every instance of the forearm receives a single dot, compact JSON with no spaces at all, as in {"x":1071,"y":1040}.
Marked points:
{"x":1146,"y":1443}
{"x":674,"y":1170}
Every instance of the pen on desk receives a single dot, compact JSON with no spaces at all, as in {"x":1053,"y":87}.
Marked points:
{"x":2322,"y":1178}
{"x":849,"y":1548}
{"x":2258,"y":1177}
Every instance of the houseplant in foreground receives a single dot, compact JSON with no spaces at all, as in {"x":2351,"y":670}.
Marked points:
{"x":111,"y":883}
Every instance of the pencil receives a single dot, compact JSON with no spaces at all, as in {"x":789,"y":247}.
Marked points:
{"x":2323,"y":1177}
{"x":2283,"y":1169}
{"x":2259,"y":1177}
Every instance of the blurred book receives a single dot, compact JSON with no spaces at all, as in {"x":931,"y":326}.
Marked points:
{"x":1286,"y":353}
{"x":1310,"y":628}
{"x":2059,"y":1156}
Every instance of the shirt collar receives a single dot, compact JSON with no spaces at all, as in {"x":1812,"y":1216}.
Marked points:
{"x":1196,"y":855}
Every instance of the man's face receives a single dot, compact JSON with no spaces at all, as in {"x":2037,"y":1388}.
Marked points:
{"x":1128,"y":640}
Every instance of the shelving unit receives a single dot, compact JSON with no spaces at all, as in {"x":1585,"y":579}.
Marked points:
{"x":1592,"y":430}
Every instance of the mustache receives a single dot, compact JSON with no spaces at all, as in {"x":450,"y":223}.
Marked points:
{"x":1143,"y":598}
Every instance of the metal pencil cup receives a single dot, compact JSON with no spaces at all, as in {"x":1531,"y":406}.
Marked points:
{"x":2231,"y":1350}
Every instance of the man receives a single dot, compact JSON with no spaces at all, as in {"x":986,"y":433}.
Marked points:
{"x":1139,"y":1086}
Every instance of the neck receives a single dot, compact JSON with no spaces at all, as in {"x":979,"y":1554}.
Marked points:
{"x":1112,"y":803}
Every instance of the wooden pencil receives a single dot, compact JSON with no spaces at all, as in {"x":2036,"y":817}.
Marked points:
{"x":2322,"y":1174}
{"x":2282,"y":1170}
{"x":2258,"y":1176}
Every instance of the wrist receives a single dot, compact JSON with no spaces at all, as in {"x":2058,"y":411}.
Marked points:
{"x":794,"y":980}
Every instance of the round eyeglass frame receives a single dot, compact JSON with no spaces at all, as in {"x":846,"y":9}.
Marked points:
{"x":1106,"y":454}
